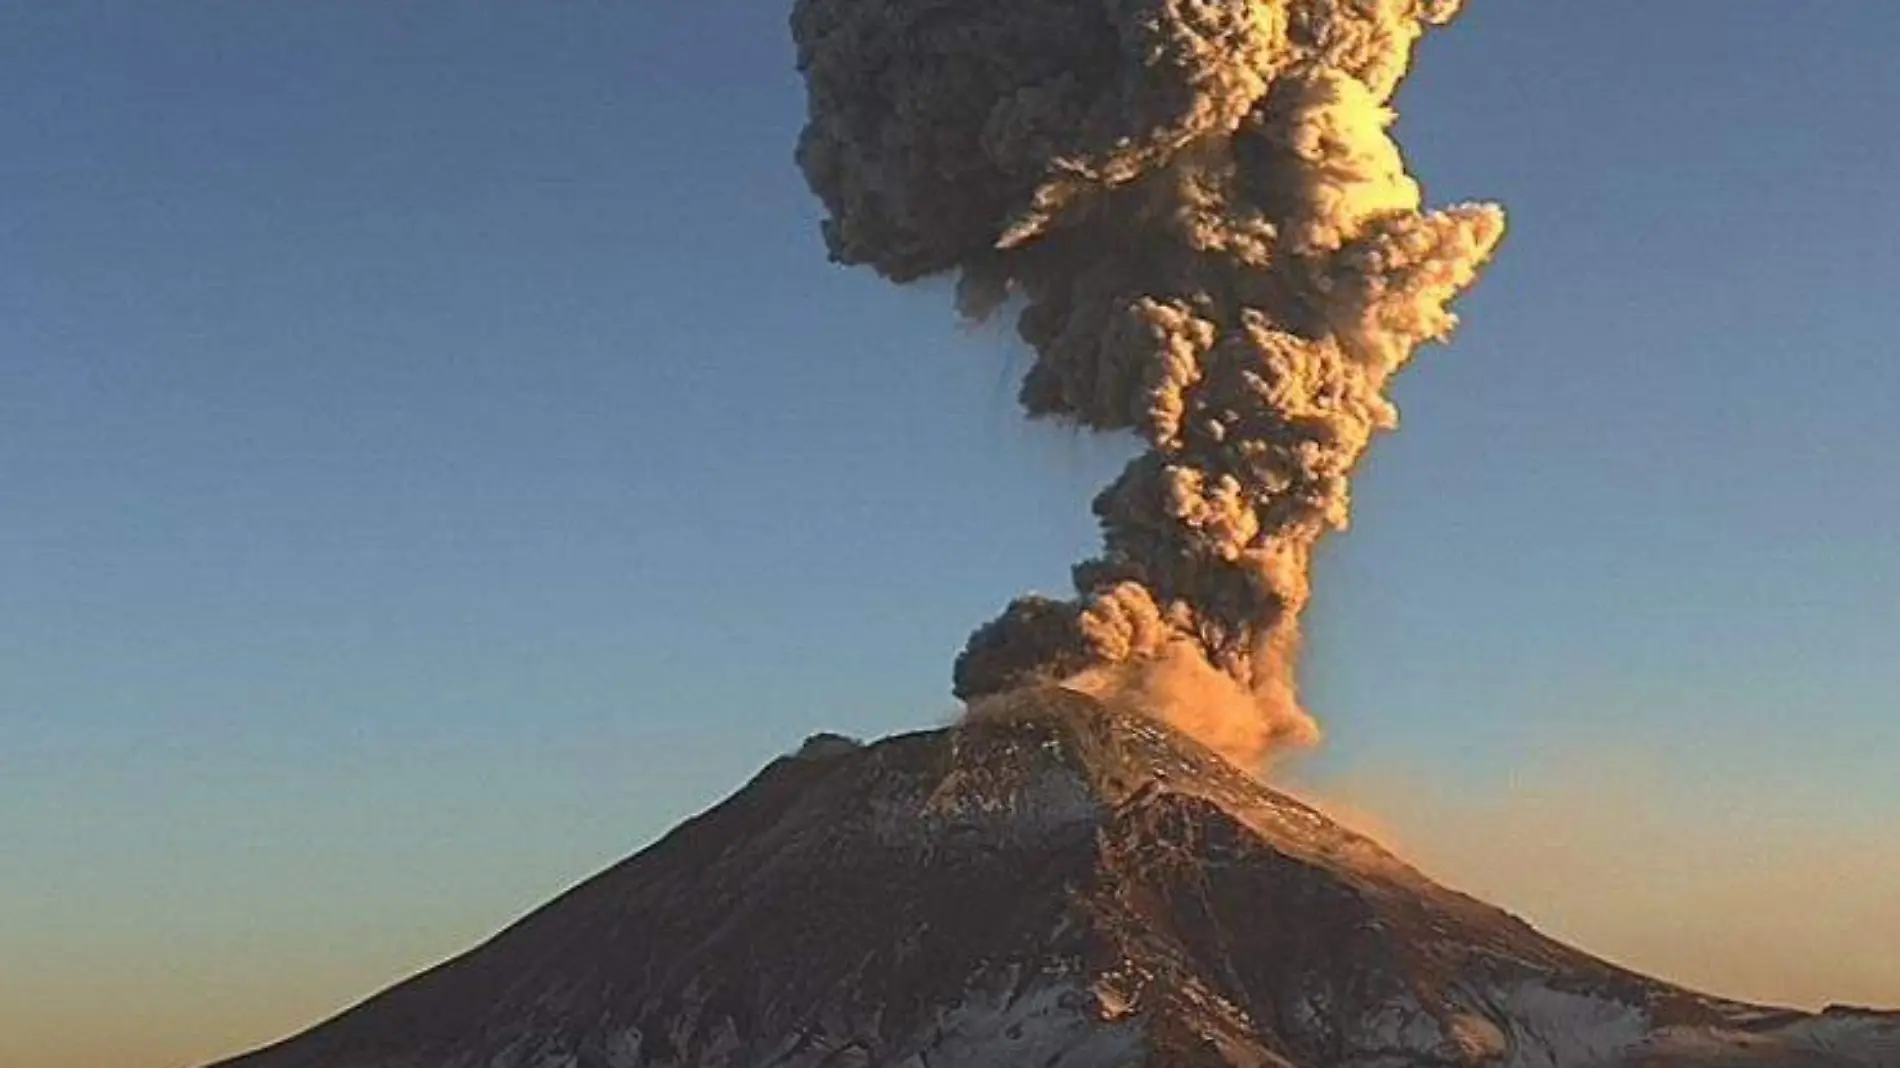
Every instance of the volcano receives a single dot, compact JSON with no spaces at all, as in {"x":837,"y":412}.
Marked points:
{"x":1050,"y":884}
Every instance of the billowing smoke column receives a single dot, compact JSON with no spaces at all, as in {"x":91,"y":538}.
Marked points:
{"x":1213,"y":243}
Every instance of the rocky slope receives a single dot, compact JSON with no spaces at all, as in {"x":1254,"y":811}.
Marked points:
{"x":1054,"y":885}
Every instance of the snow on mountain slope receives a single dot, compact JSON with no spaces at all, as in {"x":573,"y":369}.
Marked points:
{"x":1051,"y":885}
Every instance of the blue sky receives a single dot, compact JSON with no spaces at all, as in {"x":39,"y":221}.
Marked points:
{"x":437,"y":457}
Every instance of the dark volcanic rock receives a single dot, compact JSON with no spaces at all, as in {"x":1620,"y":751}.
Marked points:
{"x":1053,"y":885}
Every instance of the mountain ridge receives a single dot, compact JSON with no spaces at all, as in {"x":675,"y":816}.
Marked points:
{"x":1052,"y":883}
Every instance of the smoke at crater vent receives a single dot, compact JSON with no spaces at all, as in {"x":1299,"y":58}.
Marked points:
{"x":1214,"y":245}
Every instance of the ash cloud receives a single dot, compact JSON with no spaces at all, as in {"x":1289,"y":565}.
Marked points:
{"x":1214,"y":245}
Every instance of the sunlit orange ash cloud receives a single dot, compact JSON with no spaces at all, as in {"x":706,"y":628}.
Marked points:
{"x":1213,"y":243}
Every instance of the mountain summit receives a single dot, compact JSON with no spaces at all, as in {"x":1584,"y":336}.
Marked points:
{"x":1051,"y":884}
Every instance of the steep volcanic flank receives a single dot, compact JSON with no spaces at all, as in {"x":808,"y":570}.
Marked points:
{"x":1050,"y":885}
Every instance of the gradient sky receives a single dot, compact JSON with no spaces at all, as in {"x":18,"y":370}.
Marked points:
{"x":435,"y":456}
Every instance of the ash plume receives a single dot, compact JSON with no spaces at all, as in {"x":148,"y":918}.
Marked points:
{"x":1212,"y":242}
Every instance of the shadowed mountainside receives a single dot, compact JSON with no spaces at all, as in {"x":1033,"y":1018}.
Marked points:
{"x":1053,"y":884}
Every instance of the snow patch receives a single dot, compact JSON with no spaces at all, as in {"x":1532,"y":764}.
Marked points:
{"x":1056,"y":1025}
{"x":1551,"y":1028}
{"x":1022,"y":812}
{"x":1833,"y":1038}
{"x":1476,"y":1038}
{"x":1862,"y":1035}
